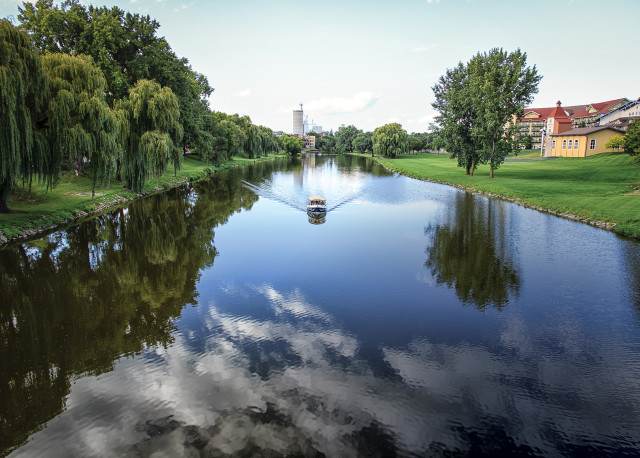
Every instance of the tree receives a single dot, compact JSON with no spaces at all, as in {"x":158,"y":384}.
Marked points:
{"x":390,"y":140}
{"x":152,"y":115}
{"x":527,"y":142}
{"x":455,"y":117}
{"x":475,"y":102}
{"x":326,"y":143}
{"x":253,"y":147}
{"x":363,"y":142}
{"x":616,"y":142}
{"x":126,"y":47}
{"x":632,"y":139}
{"x":501,"y":84}
{"x":81,"y":124}
{"x":419,"y":141}
{"x":291,"y":144}
{"x":24,"y":151}
{"x":344,"y":138}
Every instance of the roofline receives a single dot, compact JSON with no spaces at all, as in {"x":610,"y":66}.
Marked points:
{"x":594,"y":129}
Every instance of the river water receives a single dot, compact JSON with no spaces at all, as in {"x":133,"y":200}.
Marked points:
{"x":416,"y":319}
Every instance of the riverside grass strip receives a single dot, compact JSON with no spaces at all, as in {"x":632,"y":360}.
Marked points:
{"x":41,"y":211}
{"x":602,"y":190}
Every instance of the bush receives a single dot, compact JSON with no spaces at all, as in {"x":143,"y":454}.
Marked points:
{"x":632,"y":139}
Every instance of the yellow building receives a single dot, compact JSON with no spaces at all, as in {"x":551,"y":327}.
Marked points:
{"x":582,"y":142}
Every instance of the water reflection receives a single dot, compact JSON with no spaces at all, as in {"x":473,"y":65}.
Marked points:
{"x":135,"y":335}
{"x":78,"y":299}
{"x":469,"y":252}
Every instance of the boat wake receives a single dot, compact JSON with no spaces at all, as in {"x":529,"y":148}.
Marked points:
{"x":267,"y":191}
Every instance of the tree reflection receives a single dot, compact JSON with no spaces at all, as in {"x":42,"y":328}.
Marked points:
{"x":469,"y":253}
{"x":74,"y":302}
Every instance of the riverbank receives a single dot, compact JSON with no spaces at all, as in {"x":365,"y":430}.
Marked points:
{"x":70,"y":201}
{"x":602,"y":190}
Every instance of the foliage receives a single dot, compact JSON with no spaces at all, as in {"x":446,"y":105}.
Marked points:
{"x":419,"y":142}
{"x":632,"y":139}
{"x":326,"y":143}
{"x":126,"y":47}
{"x":455,"y":117}
{"x":527,"y":142}
{"x":344,"y":138}
{"x":363,"y":142}
{"x":291,"y":144}
{"x":390,"y":140}
{"x":81,"y":124}
{"x":24,"y":151}
{"x":475,"y":101}
{"x":616,"y":142}
{"x":152,"y":117}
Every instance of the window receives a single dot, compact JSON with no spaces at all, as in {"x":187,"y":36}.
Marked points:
{"x":564,"y":144}
{"x":554,"y":144}
{"x":592,"y":144}
{"x":575,"y":144}
{"x":570,"y":144}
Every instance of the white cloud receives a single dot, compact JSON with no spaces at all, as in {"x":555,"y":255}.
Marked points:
{"x":243,"y":93}
{"x":423,"y":48}
{"x":359,"y":101}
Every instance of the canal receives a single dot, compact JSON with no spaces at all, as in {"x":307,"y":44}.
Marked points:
{"x":416,"y":319}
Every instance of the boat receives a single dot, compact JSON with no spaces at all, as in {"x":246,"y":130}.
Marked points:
{"x":316,"y":205}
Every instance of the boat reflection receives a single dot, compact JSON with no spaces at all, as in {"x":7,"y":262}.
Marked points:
{"x":317,"y":218}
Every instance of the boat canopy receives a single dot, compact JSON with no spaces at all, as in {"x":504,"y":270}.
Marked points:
{"x":318,"y":199}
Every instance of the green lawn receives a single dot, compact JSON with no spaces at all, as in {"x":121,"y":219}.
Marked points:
{"x":71,"y":198}
{"x":603,"y":188}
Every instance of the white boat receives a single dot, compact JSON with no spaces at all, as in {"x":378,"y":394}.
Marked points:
{"x":316,"y":204}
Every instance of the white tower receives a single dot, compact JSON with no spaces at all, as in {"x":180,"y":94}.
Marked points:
{"x":298,"y":122}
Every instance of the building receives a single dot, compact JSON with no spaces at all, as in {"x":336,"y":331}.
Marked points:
{"x":622,"y":116}
{"x":581,"y":141}
{"x":533,"y":121}
{"x":311,"y":126}
{"x":298,"y":122}
{"x":310,"y":141}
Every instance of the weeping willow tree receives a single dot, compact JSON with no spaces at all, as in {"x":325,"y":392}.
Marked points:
{"x":253,"y":146}
{"x":153,"y":128}
{"x":82,"y":127}
{"x":24,"y":152}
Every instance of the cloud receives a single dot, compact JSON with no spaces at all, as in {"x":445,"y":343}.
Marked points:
{"x":359,"y":101}
{"x":243,"y":93}
{"x":423,"y":48}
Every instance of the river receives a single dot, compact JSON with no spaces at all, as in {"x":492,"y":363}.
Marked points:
{"x":416,"y":319}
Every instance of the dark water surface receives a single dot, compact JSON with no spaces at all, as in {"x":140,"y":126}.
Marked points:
{"x":417,"y":320}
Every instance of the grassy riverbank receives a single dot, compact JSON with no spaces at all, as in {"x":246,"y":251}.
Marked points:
{"x":603,"y":190}
{"x":71,"y":199}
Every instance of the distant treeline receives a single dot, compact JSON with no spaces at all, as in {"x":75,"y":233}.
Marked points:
{"x":95,"y":90}
{"x":388,"y":140}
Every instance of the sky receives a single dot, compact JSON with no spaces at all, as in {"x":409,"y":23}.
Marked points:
{"x":370,"y":62}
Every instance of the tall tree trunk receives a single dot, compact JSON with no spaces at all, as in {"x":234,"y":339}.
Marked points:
{"x":5,"y":189}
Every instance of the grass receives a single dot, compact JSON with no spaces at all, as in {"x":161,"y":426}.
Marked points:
{"x":602,"y":190}
{"x":71,"y":199}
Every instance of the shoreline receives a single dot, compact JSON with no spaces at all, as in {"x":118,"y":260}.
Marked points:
{"x":109,"y":200}
{"x":600,"y":224}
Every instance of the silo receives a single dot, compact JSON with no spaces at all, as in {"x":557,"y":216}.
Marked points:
{"x":298,"y":122}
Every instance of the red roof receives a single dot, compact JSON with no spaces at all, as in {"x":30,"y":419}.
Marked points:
{"x":558,"y":112}
{"x":574,"y":111}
